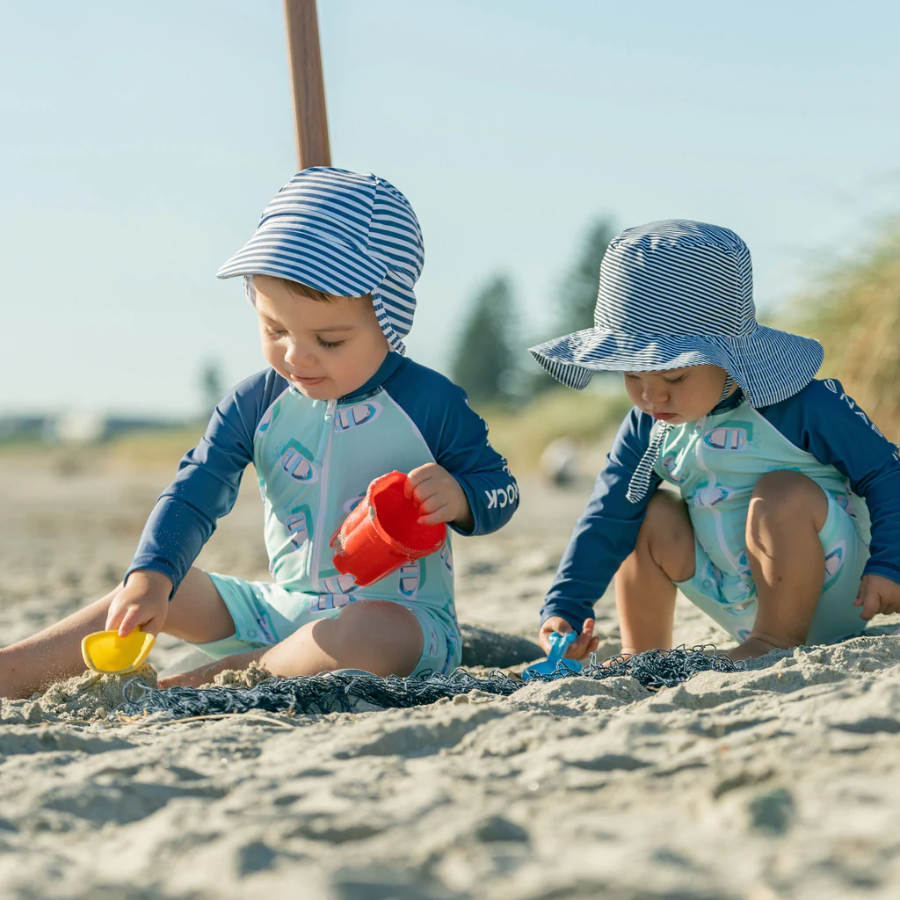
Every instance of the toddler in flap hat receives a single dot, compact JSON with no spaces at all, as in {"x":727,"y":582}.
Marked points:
{"x":782,"y":517}
{"x":330,"y":272}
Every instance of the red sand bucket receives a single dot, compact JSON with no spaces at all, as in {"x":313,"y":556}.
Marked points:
{"x":382,"y":533}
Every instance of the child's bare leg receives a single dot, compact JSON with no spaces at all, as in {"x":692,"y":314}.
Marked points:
{"x":644,"y":585}
{"x":787,"y":512}
{"x":196,"y":613}
{"x":374,"y":635}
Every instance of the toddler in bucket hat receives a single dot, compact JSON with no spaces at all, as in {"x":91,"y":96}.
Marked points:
{"x":330,"y":271}
{"x":787,"y":527}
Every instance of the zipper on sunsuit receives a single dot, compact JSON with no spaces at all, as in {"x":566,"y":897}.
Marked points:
{"x":712,"y":482}
{"x":322,"y":539}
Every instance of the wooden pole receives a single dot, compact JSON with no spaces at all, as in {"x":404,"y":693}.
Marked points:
{"x":307,"y":83}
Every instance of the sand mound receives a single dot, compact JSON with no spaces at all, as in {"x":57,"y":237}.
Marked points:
{"x":241,"y":678}
{"x":86,"y":697}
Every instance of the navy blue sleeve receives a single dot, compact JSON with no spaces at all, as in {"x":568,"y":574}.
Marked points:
{"x":458,"y":439}
{"x":607,"y":530}
{"x":824,"y":421}
{"x":207,"y":483}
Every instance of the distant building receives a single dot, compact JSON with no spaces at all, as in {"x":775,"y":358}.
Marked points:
{"x":77,"y":428}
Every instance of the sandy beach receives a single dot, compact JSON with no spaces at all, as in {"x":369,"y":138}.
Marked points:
{"x":776,"y":782}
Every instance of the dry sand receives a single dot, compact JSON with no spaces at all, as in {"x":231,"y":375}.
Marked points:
{"x":780,"y":782}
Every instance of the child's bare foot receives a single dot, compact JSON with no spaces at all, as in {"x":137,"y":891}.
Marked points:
{"x":751,"y":649}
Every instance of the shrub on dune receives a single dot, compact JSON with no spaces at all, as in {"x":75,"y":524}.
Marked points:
{"x":855,"y":313}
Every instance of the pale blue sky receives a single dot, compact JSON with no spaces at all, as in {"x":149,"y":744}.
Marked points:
{"x":139,"y":142}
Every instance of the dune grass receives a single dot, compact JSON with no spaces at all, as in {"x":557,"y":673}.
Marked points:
{"x":854,"y":310}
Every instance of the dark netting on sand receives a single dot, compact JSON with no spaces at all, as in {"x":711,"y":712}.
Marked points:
{"x":355,"y":692}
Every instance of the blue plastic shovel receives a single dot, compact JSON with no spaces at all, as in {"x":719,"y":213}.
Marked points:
{"x":554,"y":663}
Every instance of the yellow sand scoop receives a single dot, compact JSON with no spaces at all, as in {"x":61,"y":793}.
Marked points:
{"x":106,"y":652}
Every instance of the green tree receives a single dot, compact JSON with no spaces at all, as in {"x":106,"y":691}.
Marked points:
{"x":579,"y":288}
{"x":484,"y":364}
{"x":576,"y":299}
{"x":212,"y":386}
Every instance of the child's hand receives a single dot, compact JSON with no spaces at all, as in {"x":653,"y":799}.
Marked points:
{"x":440,"y":497}
{"x":583,"y":645}
{"x":143,"y":603}
{"x":877,"y":594}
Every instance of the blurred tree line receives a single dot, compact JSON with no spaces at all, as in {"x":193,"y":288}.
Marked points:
{"x":491,"y":362}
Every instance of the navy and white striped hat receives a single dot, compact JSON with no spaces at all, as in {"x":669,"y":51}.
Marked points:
{"x":344,"y":234}
{"x":680,"y":293}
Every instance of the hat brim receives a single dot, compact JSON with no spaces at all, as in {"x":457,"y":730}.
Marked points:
{"x":319,"y":260}
{"x":768,"y":364}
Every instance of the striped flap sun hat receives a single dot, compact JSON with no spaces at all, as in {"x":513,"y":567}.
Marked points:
{"x":344,"y":234}
{"x":679,"y":293}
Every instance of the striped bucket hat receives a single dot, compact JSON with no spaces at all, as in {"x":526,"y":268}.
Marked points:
{"x":680,"y":293}
{"x":344,"y":234}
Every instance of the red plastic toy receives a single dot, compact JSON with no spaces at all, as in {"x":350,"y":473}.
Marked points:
{"x":383,"y":532}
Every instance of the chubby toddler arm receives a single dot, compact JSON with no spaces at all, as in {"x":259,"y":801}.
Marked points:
{"x":207,"y":482}
{"x":606,"y":532}
{"x":458,"y":440}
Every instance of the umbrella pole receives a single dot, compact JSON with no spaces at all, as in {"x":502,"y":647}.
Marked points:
{"x":307,"y":83}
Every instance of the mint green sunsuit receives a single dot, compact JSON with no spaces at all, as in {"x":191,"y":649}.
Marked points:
{"x":314,"y":460}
